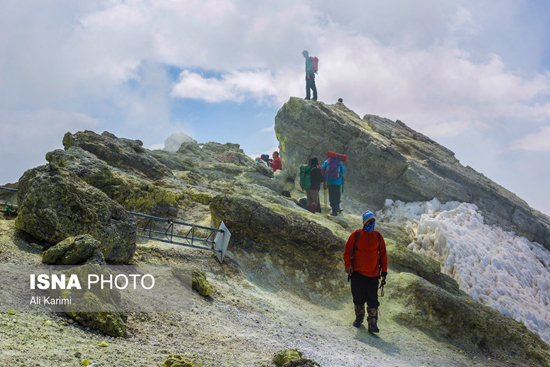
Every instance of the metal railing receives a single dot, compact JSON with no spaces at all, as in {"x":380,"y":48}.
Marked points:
{"x":184,"y":234}
{"x":8,"y":206}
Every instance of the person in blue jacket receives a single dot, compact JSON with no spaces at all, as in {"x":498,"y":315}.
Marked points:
{"x":334,"y":172}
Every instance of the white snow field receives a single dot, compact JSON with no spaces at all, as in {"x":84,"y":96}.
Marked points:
{"x":496,"y":268}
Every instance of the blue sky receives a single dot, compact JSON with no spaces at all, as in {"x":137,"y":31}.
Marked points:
{"x":472,"y":75}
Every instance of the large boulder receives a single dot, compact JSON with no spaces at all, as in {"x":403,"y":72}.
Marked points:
{"x":133,"y":192}
{"x":388,"y":160}
{"x":282,"y":250}
{"x":55,"y":204}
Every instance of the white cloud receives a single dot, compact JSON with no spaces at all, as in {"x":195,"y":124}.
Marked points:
{"x":536,"y":142}
{"x":29,"y":135}
{"x":268,"y":129}
{"x":236,"y":86}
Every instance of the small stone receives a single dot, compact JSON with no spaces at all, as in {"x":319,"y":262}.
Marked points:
{"x":77,"y":354}
{"x":85,"y":362}
{"x":11,"y":312}
{"x":103,"y":344}
{"x":71,"y":321}
{"x":47,"y":323}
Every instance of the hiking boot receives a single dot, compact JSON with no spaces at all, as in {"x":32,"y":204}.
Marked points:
{"x":372,"y":319}
{"x":359,"y":315}
{"x":312,"y":208}
{"x":314,"y":98}
{"x":340,"y":210}
{"x":333,"y":214}
{"x":307,"y":98}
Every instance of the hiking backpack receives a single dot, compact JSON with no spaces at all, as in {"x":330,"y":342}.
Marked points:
{"x":315,"y":64}
{"x":333,"y":168}
{"x":305,"y":177}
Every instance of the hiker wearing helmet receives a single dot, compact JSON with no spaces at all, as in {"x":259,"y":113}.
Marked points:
{"x":334,"y":172}
{"x":310,"y":77}
{"x":366,"y":263}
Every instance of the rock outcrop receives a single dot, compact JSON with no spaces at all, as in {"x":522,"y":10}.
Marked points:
{"x":55,"y":204}
{"x":283,"y":250}
{"x":388,"y":160}
{"x":74,"y":251}
{"x":463,"y":320}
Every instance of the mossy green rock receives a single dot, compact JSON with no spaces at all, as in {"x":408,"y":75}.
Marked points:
{"x":460,"y":318}
{"x":55,"y":204}
{"x":200,"y":283}
{"x":71,"y":251}
{"x":285,"y":356}
{"x":195,"y":277}
{"x":179,"y":361}
{"x":283,"y":249}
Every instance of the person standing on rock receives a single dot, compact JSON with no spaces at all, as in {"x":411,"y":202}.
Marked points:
{"x":316,"y":178}
{"x":334,"y":172}
{"x":310,"y":77}
{"x":276,"y":165}
{"x":366,"y":262}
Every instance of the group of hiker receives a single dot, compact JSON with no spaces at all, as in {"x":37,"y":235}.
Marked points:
{"x":275,"y":163}
{"x":330,"y":174}
{"x":365,"y":258}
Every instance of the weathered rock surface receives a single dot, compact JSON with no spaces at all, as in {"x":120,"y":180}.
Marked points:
{"x":73,"y":251}
{"x":284,"y":356}
{"x":463,"y":320}
{"x":56,"y":204}
{"x":283,"y":250}
{"x":388,"y":160}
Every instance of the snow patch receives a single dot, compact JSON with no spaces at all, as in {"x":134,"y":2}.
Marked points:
{"x":495,"y":267}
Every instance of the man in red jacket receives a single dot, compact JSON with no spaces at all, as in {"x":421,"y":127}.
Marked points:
{"x":366,"y":261}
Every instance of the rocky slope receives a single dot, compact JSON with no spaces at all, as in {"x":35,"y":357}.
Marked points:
{"x":282,"y":284}
{"x":389,"y":160}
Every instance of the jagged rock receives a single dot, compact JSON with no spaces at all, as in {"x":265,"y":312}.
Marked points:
{"x":388,"y":160}
{"x":92,"y":306}
{"x":133,"y":192}
{"x":73,"y":251}
{"x":200,"y":283}
{"x":194,"y":277}
{"x":283,"y":250}
{"x":285,"y":356}
{"x":462,"y":319}
{"x":302,"y":362}
{"x":118,"y":152}
{"x":176,"y":360}
{"x":56,"y":204}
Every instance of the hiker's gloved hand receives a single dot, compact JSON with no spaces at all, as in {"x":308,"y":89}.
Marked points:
{"x":384,"y":274}
{"x":348,"y":270}
{"x":307,"y":76}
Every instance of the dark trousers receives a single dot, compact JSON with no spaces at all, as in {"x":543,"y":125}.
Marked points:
{"x":364,"y":289}
{"x":310,"y":84}
{"x":334,"y":194}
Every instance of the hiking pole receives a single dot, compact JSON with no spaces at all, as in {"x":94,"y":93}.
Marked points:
{"x":325,"y":190}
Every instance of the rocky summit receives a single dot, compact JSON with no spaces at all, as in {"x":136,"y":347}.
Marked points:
{"x":389,"y":160}
{"x":282,"y":285}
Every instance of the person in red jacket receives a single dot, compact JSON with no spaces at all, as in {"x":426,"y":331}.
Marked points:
{"x":366,"y":262}
{"x":276,"y":164}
